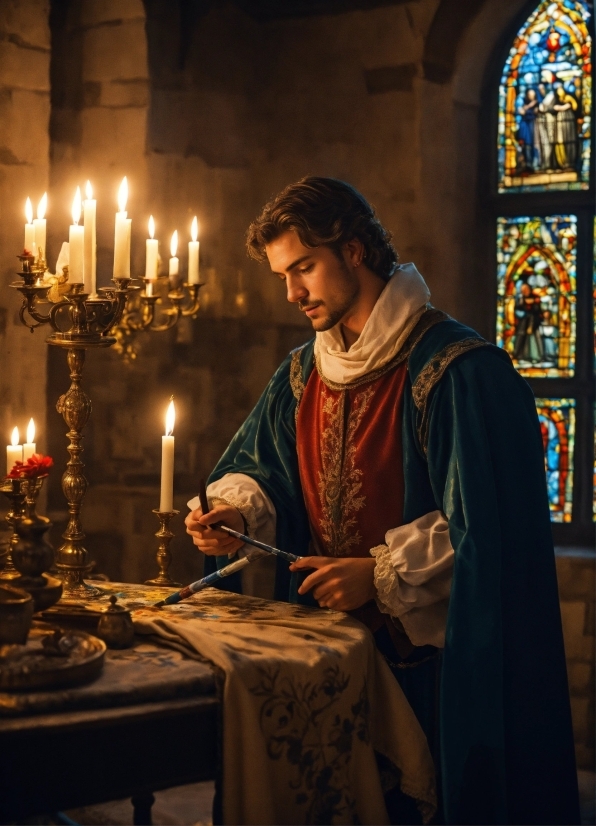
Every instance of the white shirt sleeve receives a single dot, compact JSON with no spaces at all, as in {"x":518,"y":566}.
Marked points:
{"x":245,"y":494}
{"x":413,"y":574}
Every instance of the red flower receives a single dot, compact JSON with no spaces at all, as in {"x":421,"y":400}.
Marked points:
{"x":36,"y":467}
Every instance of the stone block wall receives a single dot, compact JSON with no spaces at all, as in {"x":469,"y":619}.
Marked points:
{"x":577,"y":582}
{"x":24,"y":171}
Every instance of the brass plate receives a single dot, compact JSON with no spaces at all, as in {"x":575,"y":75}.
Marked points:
{"x":76,"y":657}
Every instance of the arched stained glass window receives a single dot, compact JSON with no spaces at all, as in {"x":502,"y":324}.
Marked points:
{"x":545,"y":101}
{"x":543,"y":200}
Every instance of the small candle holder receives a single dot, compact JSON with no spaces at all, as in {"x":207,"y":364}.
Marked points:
{"x":16,"y":491}
{"x":164,"y":555}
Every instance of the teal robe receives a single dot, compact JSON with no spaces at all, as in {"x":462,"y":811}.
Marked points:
{"x":475,"y":453}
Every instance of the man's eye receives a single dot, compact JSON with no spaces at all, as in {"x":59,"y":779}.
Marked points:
{"x":307,"y":269}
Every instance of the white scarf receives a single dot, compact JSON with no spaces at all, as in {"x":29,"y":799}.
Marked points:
{"x":397,"y":310}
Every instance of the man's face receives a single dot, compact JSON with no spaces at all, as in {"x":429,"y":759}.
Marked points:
{"x":325,"y":288}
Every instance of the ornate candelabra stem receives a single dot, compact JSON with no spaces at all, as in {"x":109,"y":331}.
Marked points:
{"x":164,"y":555}
{"x":75,"y":408}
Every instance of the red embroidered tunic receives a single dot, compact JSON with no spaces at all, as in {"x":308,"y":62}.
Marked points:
{"x":350,"y":459}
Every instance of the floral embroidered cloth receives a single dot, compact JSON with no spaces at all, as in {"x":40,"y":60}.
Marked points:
{"x":307,"y":701}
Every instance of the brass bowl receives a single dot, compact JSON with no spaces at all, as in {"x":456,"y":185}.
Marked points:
{"x":16,"y":614}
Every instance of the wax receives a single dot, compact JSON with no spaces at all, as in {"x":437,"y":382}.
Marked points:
{"x":193,"y":253}
{"x":29,"y":228}
{"x":90,"y":242}
{"x":14,"y":451}
{"x":166,"y":502}
{"x":122,"y":235}
{"x":174,"y":266}
{"x":29,"y":447}
{"x":151,"y":258}
{"x":40,"y":226}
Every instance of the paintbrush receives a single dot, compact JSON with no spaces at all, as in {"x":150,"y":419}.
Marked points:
{"x":233,"y":567}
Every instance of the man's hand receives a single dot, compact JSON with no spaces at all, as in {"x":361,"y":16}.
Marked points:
{"x":214,"y":542}
{"x":339,"y":583}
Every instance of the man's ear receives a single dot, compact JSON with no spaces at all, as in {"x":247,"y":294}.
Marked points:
{"x":354,"y":249}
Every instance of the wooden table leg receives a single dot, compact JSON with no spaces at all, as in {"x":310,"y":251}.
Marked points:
{"x":141,"y":804}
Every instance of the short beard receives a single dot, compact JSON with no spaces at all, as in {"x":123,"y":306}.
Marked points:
{"x":336,"y":314}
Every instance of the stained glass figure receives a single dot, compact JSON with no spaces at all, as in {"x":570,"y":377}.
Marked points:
{"x":545,"y":100}
{"x":536,"y":293}
{"x":557,"y":425}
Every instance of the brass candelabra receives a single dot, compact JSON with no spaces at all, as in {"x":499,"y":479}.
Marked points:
{"x":145,"y":312}
{"x":164,"y":555}
{"x":79,"y":323}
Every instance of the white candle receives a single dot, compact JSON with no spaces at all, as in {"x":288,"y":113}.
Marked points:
{"x":40,"y":225}
{"x":151,"y":254}
{"x":174,"y":262}
{"x":166,"y":502}
{"x":193,"y":253}
{"x":90,"y":243}
{"x":29,"y":228}
{"x":76,"y":243}
{"x":14,"y":451}
{"x":29,"y":447}
{"x":122,"y":235}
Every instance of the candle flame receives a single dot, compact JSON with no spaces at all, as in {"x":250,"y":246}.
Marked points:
{"x":88,"y":191}
{"x":174,"y":244}
{"x":29,"y":211}
{"x":170,"y":418}
{"x":42,"y":206}
{"x":76,"y":206}
{"x":30,"y":432}
{"x":151,"y":226}
{"x":14,"y":438}
{"x":194,"y":229}
{"x":123,"y":195}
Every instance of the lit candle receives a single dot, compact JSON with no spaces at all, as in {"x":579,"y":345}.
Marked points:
{"x":29,"y":446}
{"x":174,"y":262}
{"x":14,"y":451}
{"x":166,"y":502}
{"x":29,"y":228}
{"x":76,"y":243}
{"x":122,"y":236}
{"x":40,"y":226}
{"x":151,"y":257}
{"x":193,"y":253}
{"x":90,"y":225}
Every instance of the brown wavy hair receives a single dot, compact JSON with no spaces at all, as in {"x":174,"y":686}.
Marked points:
{"x":324,"y":212}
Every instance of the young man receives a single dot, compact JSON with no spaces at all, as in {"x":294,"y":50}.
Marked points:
{"x":400,"y":454}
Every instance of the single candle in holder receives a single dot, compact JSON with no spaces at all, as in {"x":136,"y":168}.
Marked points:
{"x":122,"y":235}
{"x":40,"y":225}
{"x":166,"y":502}
{"x":174,"y":262}
{"x":151,"y":257}
{"x":76,"y":243}
{"x":29,"y":446}
{"x":193,"y":253}
{"x":90,"y":243}
{"x":29,"y":228}
{"x":14,"y":451}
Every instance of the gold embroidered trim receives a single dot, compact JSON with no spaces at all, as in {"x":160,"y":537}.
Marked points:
{"x":340,"y":481}
{"x":296,"y":378}
{"x":427,"y":320}
{"x":432,"y":373}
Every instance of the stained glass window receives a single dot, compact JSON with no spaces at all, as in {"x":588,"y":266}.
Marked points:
{"x":536,"y":270}
{"x":545,"y":101}
{"x":557,"y":425}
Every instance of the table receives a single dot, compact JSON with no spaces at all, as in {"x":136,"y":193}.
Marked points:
{"x":149,"y":722}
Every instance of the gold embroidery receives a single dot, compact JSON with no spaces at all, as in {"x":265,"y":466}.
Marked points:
{"x":296,"y":379}
{"x":432,"y":373}
{"x":340,"y":481}
{"x":426,"y":321}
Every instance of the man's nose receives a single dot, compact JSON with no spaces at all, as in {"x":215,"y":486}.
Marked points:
{"x":296,"y":289}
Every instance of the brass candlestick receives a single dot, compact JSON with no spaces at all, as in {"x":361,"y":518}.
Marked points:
{"x":164,"y":555}
{"x":16,"y":491}
{"x":80,"y":323}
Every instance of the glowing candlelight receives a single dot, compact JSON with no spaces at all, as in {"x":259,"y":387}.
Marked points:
{"x":151,"y":257}
{"x":76,"y":243}
{"x":122,"y":234}
{"x":14,"y":451}
{"x":29,"y":447}
{"x":90,"y":240}
{"x":174,"y":262}
{"x":166,"y":503}
{"x":40,"y":225}
{"x":193,"y":253}
{"x":29,"y":228}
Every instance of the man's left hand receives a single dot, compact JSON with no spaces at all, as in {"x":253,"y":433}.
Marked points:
{"x":342,"y":583}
